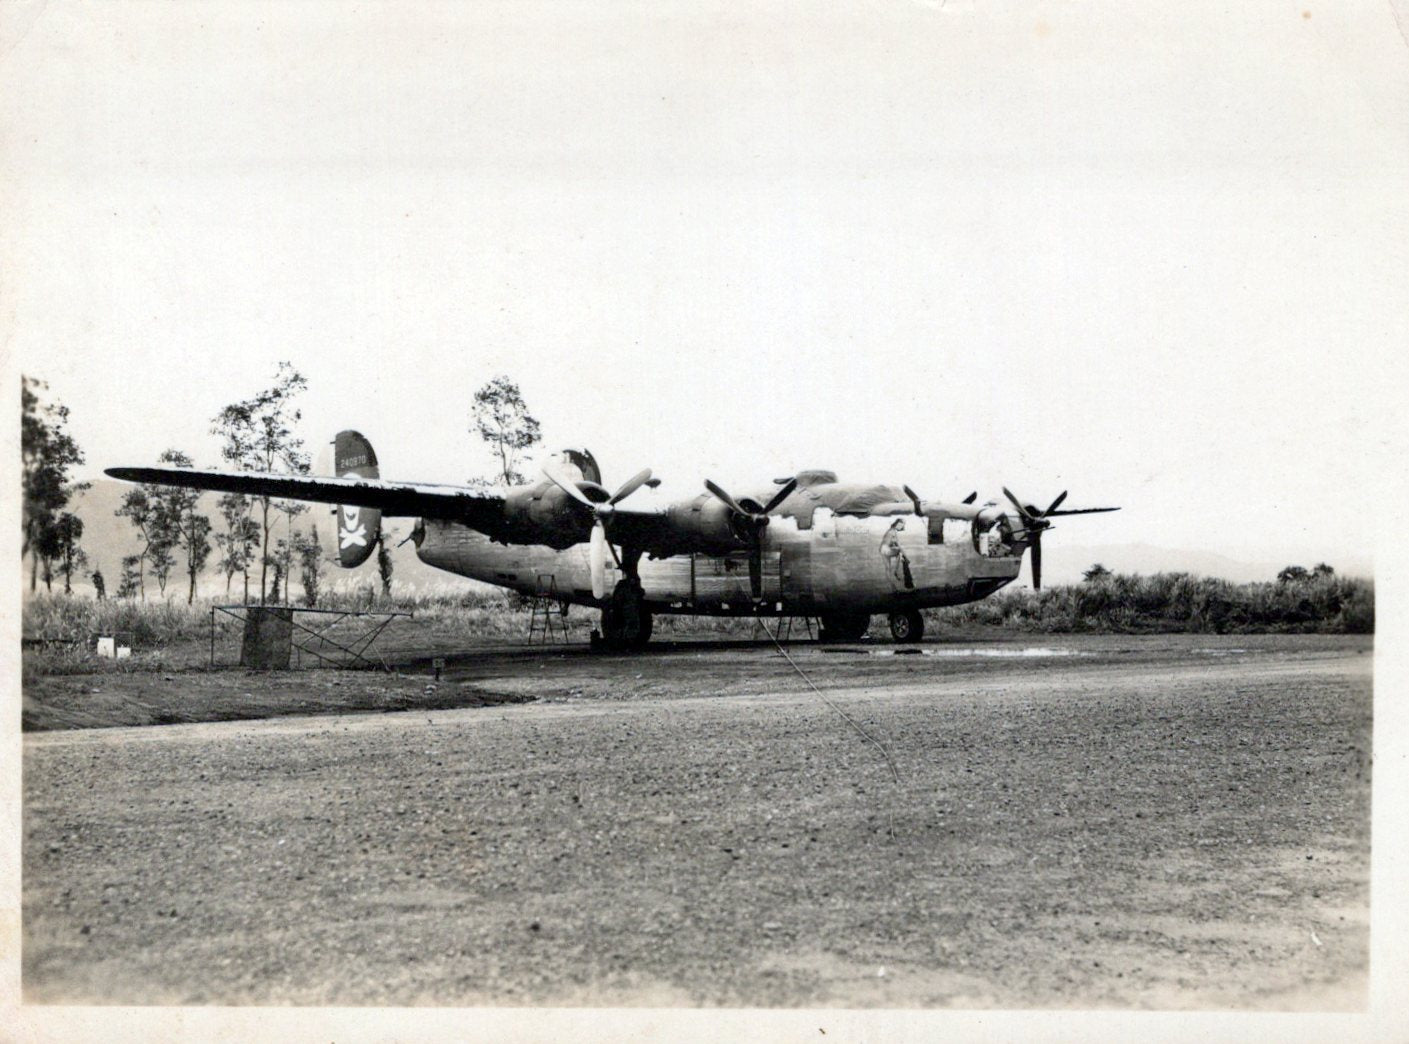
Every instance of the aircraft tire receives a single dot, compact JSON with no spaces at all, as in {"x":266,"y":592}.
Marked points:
{"x":626,"y":622}
{"x":907,"y":627}
{"x":843,"y":627}
{"x":644,"y":625}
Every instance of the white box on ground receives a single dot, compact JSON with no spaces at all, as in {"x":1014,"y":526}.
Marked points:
{"x":107,"y":647}
{"x":124,"y":652}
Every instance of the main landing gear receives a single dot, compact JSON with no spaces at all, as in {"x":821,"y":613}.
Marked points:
{"x":843,"y":627}
{"x":626,"y":620}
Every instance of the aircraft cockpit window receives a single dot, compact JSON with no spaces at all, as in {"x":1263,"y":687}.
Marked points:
{"x":956,"y":530}
{"x":994,"y":541}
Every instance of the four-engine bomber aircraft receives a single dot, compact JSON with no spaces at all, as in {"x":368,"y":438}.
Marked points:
{"x":812,"y":546}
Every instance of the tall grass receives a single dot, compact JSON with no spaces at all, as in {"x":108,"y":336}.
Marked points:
{"x":1179,"y":602}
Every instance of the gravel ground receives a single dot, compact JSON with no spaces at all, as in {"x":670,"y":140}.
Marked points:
{"x":1124,"y":822}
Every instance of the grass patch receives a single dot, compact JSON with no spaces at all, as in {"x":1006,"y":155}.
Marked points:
{"x":1178,"y":603}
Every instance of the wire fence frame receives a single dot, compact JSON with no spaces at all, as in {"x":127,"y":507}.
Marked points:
{"x":355,"y":650}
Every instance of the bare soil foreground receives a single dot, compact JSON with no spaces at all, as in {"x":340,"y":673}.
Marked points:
{"x":1170,"y":822}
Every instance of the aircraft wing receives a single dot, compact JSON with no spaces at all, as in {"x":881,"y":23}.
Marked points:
{"x":478,"y":508}
{"x":649,"y":529}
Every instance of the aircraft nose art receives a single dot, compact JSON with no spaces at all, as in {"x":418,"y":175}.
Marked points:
{"x":358,"y":527}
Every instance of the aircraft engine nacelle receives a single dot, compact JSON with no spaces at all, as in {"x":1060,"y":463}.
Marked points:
{"x":544,"y":514}
{"x":705,"y":524}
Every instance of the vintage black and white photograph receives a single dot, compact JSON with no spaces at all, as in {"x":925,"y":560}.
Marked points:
{"x":831,"y":511}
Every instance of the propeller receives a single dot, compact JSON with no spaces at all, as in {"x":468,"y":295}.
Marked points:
{"x":598,"y":545}
{"x":1035,"y":523}
{"x":750,"y":522}
{"x":915,"y":499}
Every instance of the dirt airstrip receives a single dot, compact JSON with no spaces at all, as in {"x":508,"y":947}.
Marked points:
{"x":1096,"y":822}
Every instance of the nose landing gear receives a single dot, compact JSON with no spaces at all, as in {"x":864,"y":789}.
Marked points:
{"x":908,"y":626}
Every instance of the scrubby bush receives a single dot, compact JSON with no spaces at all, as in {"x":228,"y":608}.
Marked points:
{"x":1172,"y":602}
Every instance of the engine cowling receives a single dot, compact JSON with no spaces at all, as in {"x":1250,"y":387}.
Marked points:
{"x":705,"y":524}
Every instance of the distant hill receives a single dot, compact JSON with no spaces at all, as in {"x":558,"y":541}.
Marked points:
{"x":107,"y":539}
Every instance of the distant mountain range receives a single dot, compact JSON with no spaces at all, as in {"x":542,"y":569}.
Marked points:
{"x":107,"y":539}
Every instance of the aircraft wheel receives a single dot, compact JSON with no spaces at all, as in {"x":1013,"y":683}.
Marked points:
{"x":908,"y":626}
{"x":843,"y":627}
{"x":626,"y":622}
{"x":645,"y":624}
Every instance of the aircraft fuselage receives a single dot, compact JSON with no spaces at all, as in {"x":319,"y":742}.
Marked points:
{"x":837,"y":564}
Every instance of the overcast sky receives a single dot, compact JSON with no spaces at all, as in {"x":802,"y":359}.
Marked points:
{"x":1154,"y":254}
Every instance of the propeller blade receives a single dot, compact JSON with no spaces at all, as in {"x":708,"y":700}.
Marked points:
{"x":781,"y":495}
{"x":971,"y":497}
{"x":915,"y":499}
{"x":1037,"y":562}
{"x":567,"y":487}
{"x":1022,"y":510}
{"x":597,"y":558}
{"x":1082,"y":511}
{"x":729,"y":501}
{"x":1056,"y":503}
{"x":630,"y":486}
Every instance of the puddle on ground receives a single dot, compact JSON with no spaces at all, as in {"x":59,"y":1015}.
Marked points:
{"x":1030,"y":652}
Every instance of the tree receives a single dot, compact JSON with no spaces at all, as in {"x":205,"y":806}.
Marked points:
{"x":186,"y":529}
{"x":500,"y":417}
{"x":310,"y":560}
{"x":58,"y":549}
{"x":47,"y":452}
{"x":1293,"y":574}
{"x":384,"y":565}
{"x":136,"y":507}
{"x":258,"y":435}
{"x":1322,"y":569}
{"x":146,"y":506}
{"x":286,"y":549}
{"x":239,"y":539}
{"x":1096,"y":572}
{"x":130,"y":583}
{"x":71,"y":558}
{"x":277,"y":560}
{"x":162,"y":559}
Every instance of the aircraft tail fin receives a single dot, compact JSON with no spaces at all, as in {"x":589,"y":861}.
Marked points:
{"x":358,"y":527}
